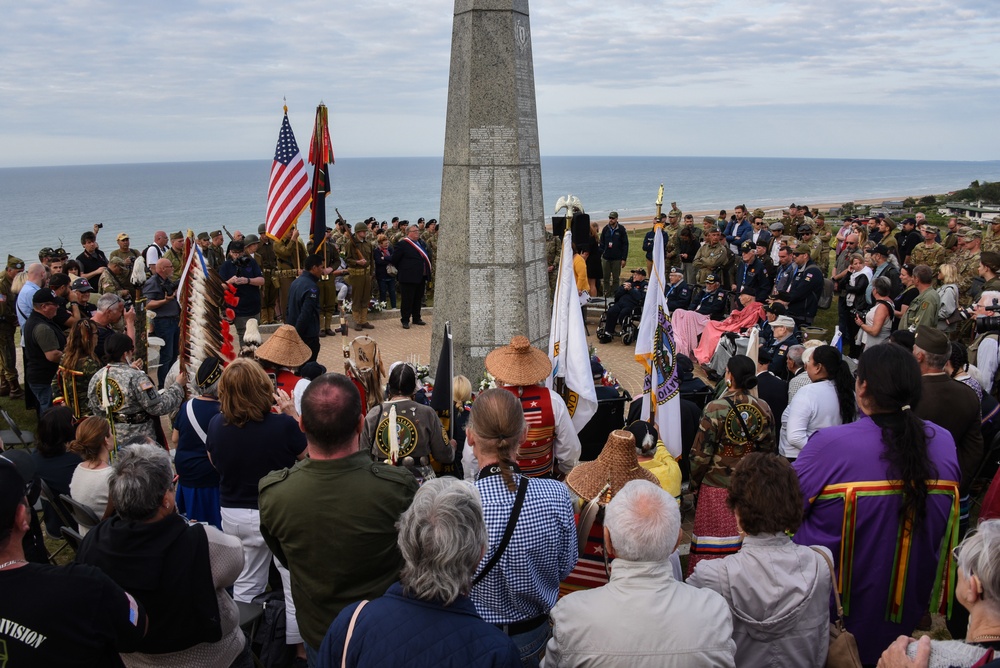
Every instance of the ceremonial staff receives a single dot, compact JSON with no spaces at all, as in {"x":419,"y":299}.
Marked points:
{"x":654,"y":281}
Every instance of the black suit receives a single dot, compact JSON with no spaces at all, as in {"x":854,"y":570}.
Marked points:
{"x":774,"y":392}
{"x":413,"y":272}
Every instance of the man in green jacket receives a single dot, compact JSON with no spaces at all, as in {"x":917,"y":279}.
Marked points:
{"x":331,"y":518}
{"x":923,"y":310}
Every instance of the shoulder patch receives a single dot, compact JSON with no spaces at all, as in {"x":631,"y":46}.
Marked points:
{"x":396,"y":474}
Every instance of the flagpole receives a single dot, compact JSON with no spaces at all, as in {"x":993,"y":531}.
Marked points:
{"x":451,"y":365}
{"x":655,"y":281}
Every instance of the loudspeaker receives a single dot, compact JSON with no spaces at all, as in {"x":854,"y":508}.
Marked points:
{"x":581,"y":230}
{"x":559,"y":226}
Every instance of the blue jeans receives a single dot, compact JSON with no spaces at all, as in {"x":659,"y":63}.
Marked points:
{"x":387,"y":290}
{"x":169,"y":330}
{"x":43,"y":393}
{"x":531,"y":645}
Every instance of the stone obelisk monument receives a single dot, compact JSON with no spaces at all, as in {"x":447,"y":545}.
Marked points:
{"x":491,"y":280}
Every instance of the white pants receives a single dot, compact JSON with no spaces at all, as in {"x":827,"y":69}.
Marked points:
{"x":244,"y":523}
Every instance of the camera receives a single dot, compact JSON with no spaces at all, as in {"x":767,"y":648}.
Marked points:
{"x":242,"y":261}
{"x":100,"y":226}
{"x":989,"y":323}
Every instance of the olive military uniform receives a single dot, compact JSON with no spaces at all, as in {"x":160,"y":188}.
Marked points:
{"x":710,"y":259}
{"x":359,"y":256}
{"x":9,"y":385}
{"x":291,"y":257}
{"x":268,"y":263}
{"x":333,"y":523}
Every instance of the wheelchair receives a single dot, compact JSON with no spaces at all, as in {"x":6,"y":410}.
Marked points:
{"x":630,"y":326}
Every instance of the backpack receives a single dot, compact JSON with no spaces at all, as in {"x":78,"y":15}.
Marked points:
{"x":270,"y":632}
{"x":826,"y":298}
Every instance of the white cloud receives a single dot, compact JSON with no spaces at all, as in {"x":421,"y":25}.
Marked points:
{"x":91,"y":81}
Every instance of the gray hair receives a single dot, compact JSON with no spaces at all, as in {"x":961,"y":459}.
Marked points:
{"x":412,"y":227}
{"x":140,"y":476}
{"x":933,"y":360}
{"x":643,"y":521}
{"x":443,"y":537}
{"x":979,"y":555}
{"x":986,"y":299}
{"x":795,"y":354}
{"x":882,"y":285}
{"x":108,"y":301}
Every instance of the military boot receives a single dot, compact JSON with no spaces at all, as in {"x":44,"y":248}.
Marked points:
{"x":15,"y":390}
{"x":4,"y":387}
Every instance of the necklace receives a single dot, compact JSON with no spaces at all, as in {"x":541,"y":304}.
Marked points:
{"x":11,"y":563}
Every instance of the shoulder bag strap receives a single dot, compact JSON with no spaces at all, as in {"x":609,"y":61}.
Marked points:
{"x":350,"y":632}
{"x":743,"y":425}
{"x":522,"y":490}
{"x":833,"y":577}
{"x":193,"y":419}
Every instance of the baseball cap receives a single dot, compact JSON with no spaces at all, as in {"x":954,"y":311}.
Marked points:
{"x":880,"y":249}
{"x":118,"y":260}
{"x":613,"y":214}
{"x":122,"y":237}
{"x":801,"y":249}
{"x":44,"y":296}
{"x":711,"y":278}
{"x":82,"y":285}
{"x":676,"y":270}
{"x":748,"y":246}
{"x":783,"y":321}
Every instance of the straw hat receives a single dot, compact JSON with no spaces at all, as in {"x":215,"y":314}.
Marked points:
{"x":616,"y":465}
{"x":285,"y":348}
{"x":519,"y":364}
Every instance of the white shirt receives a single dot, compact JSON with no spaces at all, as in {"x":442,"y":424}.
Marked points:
{"x":987,"y":361}
{"x":814,"y":407}
{"x":152,"y":256}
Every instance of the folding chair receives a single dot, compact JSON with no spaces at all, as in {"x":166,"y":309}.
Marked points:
{"x":84,"y":516}
{"x":14,"y":435}
{"x":51,"y":504}
{"x":72,"y":538}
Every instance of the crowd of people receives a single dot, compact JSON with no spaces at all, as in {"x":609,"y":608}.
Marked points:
{"x":820,"y":480}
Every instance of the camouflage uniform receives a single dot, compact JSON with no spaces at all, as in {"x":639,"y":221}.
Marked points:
{"x":673,"y":255}
{"x":431,"y":243}
{"x":710,"y":259}
{"x":968,"y":271}
{"x":933,"y":256}
{"x":8,"y":323}
{"x":721,"y":442}
{"x":268,"y":262}
{"x":119,"y":285}
{"x":991,"y":240}
{"x":135,"y":402}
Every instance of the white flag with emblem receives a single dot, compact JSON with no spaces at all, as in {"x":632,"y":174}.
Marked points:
{"x":656,"y":350}
{"x":568,"y":348}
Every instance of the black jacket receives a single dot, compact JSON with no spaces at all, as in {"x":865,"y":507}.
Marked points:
{"x":412,"y":266}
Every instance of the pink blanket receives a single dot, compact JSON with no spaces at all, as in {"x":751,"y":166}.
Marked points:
{"x":687,"y":325}
{"x":737,"y":321}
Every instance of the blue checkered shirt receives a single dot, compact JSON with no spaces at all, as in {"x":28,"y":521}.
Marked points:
{"x":541,"y":553}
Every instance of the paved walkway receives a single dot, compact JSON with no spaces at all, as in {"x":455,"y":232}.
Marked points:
{"x":414,"y":345}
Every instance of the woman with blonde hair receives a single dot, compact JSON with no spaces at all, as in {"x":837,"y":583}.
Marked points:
{"x":517,"y":582}
{"x":77,"y":366}
{"x":246,"y":441}
{"x":94,"y":443}
{"x":948,"y":292}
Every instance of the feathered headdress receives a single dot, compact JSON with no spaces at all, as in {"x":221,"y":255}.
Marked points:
{"x":207,"y":304}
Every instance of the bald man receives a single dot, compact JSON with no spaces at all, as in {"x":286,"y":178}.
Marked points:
{"x":36,"y":275}
{"x":159,"y":292}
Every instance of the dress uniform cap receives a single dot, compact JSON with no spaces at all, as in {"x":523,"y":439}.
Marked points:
{"x":14,"y":262}
{"x":932,"y":340}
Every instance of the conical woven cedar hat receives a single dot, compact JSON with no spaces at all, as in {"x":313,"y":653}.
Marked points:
{"x":285,"y":348}
{"x":616,"y":465}
{"x":520,"y":363}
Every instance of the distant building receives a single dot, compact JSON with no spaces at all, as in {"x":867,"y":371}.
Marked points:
{"x":973,"y":211}
{"x":835,"y":211}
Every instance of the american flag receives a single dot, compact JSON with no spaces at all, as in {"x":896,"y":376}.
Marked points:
{"x":288,"y":191}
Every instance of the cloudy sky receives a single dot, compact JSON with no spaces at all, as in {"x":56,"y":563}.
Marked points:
{"x":106,"y":81}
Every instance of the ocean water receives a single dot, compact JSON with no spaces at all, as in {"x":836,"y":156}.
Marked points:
{"x":52,"y":206}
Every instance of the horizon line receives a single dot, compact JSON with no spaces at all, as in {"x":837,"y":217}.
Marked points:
{"x":441,"y":158}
